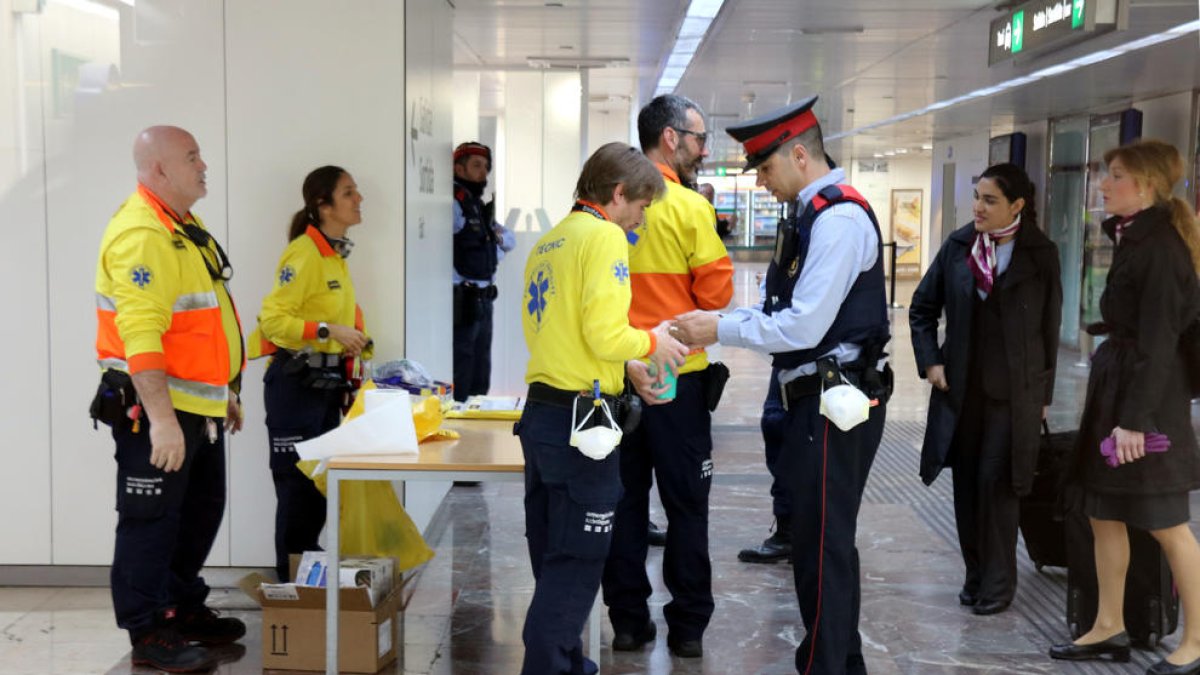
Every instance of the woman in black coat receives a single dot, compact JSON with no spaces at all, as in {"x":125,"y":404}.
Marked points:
{"x":998,"y":281}
{"x":1138,"y":384}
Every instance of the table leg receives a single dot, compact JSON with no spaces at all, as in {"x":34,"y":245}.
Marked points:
{"x":333,"y":529}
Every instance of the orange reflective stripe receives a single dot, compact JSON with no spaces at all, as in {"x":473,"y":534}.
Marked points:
{"x":319,"y":239}
{"x":711,"y":284}
{"x":266,"y":347}
{"x":668,"y":173}
{"x":147,"y":361}
{"x":108,"y":340}
{"x":658,"y":297}
{"x":196,"y":348}
{"x":359,"y":324}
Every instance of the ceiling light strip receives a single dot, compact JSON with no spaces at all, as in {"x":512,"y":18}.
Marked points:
{"x":1050,"y":71}
{"x":696,"y":22}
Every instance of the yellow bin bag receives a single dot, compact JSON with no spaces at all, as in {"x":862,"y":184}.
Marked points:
{"x":373,"y":522}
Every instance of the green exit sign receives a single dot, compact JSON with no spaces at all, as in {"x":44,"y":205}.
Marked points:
{"x":722,"y":171}
{"x":1042,"y":26}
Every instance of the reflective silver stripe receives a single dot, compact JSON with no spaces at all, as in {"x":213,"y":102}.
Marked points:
{"x":198,"y":389}
{"x":117,"y":364}
{"x":190,"y":301}
{"x":105,"y":303}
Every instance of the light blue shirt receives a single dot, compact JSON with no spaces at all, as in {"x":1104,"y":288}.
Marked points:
{"x":508,"y":241}
{"x":843,"y":245}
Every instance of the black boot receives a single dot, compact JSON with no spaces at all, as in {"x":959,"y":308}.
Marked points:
{"x":206,"y":626}
{"x":775,"y":548}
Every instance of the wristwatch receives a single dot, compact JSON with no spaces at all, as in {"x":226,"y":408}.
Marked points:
{"x":322,"y":332}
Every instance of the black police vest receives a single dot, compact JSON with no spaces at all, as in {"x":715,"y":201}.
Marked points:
{"x":475,"y":244}
{"x":862,"y":319}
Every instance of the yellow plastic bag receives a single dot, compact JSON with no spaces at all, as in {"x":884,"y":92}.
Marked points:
{"x":373,"y":522}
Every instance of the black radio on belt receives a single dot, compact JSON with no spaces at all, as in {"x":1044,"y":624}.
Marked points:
{"x":114,"y":398}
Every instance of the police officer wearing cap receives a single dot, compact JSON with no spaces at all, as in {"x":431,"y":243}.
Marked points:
{"x":575,"y":316}
{"x":479,"y":245}
{"x":824,"y":320}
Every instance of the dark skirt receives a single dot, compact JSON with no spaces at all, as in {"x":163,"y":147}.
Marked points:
{"x":1145,"y":512}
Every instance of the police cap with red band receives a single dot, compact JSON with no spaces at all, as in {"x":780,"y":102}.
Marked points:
{"x":473,"y":148}
{"x":763,"y":135}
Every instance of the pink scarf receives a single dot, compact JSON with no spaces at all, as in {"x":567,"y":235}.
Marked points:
{"x":982,"y":258}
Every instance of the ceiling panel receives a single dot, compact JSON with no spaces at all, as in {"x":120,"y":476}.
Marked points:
{"x":869,"y":60}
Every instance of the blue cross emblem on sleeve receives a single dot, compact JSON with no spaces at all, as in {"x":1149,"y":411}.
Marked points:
{"x":286,"y":275}
{"x":621,"y":272}
{"x":141,"y":276}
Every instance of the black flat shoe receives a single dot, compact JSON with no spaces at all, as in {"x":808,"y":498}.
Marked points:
{"x":1165,"y":667}
{"x":984,"y":608}
{"x":687,"y":649}
{"x":966,"y":599}
{"x":1116,"y":647}
{"x":630,"y":642}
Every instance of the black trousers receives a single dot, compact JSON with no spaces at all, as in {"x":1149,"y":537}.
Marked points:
{"x":295,"y":413}
{"x":827,"y":471}
{"x":472,"y":344}
{"x":673,"y":444}
{"x":773,"y":424}
{"x":166,"y":523}
{"x":570,"y":501}
{"x":986,"y":509}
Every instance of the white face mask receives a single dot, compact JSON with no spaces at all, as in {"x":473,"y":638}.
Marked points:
{"x":845,"y":406}
{"x":599,"y":441}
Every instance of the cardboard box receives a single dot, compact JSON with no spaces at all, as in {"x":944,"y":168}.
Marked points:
{"x":293,"y":621}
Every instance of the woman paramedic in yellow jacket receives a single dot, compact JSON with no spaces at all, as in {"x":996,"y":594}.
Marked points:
{"x":311,"y":327}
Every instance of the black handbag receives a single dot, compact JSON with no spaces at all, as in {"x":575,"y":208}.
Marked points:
{"x":1189,"y":348}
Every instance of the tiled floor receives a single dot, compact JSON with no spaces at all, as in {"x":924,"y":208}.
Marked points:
{"x":464,"y":611}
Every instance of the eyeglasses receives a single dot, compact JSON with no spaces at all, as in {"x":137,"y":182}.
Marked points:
{"x":701,"y":136}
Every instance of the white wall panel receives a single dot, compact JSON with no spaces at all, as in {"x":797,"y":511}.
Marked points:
{"x":541,"y":162}
{"x":25,"y":402}
{"x":295,"y":103}
{"x":90,"y":128}
{"x":430,"y":89}
{"x":902,"y":174}
{"x":1169,"y":118}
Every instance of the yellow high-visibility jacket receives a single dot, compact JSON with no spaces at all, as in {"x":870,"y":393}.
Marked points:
{"x":312,"y":286}
{"x":159,"y":308}
{"x":575,"y":309}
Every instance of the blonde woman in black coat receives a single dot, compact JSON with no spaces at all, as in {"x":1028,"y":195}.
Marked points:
{"x":1138,"y":384}
{"x":997,"y":279}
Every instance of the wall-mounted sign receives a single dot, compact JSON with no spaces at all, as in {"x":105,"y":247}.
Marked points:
{"x":1046,"y":25}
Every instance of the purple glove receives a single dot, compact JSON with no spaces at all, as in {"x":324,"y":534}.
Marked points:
{"x":1155,"y":442}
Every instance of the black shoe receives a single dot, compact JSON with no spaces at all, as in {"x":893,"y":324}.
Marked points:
{"x":629,"y":642}
{"x":164,"y":649}
{"x":655,"y":536}
{"x":686,"y":649}
{"x":1165,"y":667}
{"x":775,"y":548}
{"x":984,"y":608}
{"x":208,"y":627}
{"x":1116,"y":647}
{"x":967,"y":598}
{"x":466,"y":483}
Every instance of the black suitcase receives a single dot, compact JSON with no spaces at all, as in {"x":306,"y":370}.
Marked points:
{"x":1041,"y":510}
{"x":1151,"y":600}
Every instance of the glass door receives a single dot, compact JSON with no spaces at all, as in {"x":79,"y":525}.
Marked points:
{"x":1064,"y":221}
{"x":1103,"y":135}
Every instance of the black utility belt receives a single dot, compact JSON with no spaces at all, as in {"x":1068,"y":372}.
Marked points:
{"x":875,"y":384}
{"x":488,"y":292}
{"x":314,"y":359}
{"x":563,"y":398}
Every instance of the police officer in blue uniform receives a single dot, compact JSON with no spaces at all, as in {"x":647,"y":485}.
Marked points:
{"x":824,"y":319}
{"x":479,"y":245}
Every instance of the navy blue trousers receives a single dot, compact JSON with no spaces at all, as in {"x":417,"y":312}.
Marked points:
{"x":673,"y":445}
{"x":295,"y":413}
{"x":827,"y":471}
{"x":570,"y":502}
{"x":774,"y":422}
{"x":166,"y":523}
{"x":472,"y":346}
